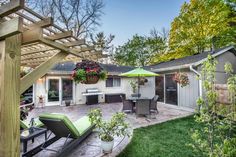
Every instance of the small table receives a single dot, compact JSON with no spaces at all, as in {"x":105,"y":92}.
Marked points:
{"x":134,"y":99}
{"x":31,"y":135}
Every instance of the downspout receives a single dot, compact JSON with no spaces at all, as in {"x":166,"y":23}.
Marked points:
{"x":200,"y":81}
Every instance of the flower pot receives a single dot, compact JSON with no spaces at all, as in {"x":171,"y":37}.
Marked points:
{"x":107,"y":146}
{"x":91,"y":79}
{"x":136,"y":95}
{"x":67,"y":102}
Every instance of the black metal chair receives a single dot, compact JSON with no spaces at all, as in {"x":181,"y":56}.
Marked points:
{"x":143,"y":107}
{"x":128,"y":106}
{"x":153,"y":104}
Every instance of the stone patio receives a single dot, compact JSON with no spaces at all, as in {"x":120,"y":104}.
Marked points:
{"x":90,"y":147}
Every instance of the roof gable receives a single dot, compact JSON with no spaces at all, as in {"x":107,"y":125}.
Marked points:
{"x":185,"y":62}
{"x":68,"y":67}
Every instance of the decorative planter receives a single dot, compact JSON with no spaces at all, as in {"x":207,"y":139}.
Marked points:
{"x":67,"y":102}
{"x":142,"y":81}
{"x":136,"y":95}
{"x":91,"y":79}
{"x":107,"y":146}
{"x":88,"y":72}
{"x":181,"y":78}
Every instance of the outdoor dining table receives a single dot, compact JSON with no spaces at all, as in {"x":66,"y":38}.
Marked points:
{"x":134,"y":99}
{"x":143,"y":109}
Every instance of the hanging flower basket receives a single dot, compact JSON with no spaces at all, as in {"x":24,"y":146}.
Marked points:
{"x":88,"y":72}
{"x":181,"y":78}
{"x":91,"y":79}
{"x":142,"y":81}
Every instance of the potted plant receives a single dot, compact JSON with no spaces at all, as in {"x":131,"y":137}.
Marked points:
{"x":67,"y":102}
{"x":181,"y":78}
{"x":142,"y":81}
{"x":108,"y":129}
{"x":24,"y":112}
{"x":134,"y":87}
{"x":88,"y":72}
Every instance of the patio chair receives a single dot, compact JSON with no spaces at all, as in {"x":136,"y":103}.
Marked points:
{"x":143,"y":107}
{"x":26,"y":125}
{"x":62,"y":127}
{"x":127,"y":105}
{"x":153,"y":104}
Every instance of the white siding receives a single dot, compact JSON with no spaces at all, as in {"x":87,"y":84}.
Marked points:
{"x":148,"y":89}
{"x":229,"y":57}
{"x":188,"y":95}
{"x":39,"y":89}
{"x":80,"y":88}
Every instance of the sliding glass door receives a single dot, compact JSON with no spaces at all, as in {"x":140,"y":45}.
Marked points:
{"x":159,"y":81}
{"x":53,"y":90}
{"x":67,"y":89}
{"x":171,"y":90}
{"x":58,"y":90}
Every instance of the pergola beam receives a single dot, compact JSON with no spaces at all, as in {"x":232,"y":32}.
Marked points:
{"x":42,"y":59}
{"x":59,"y":46}
{"x":31,"y":36}
{"x":29,"y":58}
{"x":12,"y":6}
{"x":37,"y":51}
{"x":43,"y":68}
{"x":43,"y":23}
{"x":11,"y":27}
{"x":60,"y":35}
{"x":75,"y":43}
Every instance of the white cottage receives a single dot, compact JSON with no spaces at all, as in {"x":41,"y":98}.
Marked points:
{"x":172,"y":93}
{"x":57,"y":86}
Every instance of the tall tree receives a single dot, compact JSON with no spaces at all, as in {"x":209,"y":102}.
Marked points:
{"x":102,"y":42}
{"x":81,"y":16}
{"x":200,"y":24}
{"x":140,"y":50}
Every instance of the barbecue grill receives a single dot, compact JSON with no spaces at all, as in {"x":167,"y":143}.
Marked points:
{"x":92,"y":95}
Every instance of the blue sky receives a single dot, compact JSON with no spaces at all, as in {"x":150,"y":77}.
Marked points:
{"x":124,"y":18}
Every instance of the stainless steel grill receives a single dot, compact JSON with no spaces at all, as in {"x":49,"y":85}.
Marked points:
{"x":92,"y":91}
{"x":92,"y":95}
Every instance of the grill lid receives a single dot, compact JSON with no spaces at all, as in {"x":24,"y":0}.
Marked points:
{"x":92,"y":90}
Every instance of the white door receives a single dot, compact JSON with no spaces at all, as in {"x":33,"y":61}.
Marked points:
{"x":58,"y":90}
{"x":53,"y":95}
{"x":67,"y":89}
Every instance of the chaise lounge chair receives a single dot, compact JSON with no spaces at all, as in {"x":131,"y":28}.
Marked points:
{"x":25,"y":125}
{"x":62,"y":127}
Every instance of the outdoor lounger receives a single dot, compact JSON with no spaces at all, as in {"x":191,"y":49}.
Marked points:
{"x":62,"y":127}
{"x":25,"y":125}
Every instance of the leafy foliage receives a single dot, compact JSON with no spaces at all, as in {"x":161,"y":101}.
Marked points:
{"x":181,"y":78}
{"x":199,"y":24}
{"x":88,"y":68}
{"x":217,"y":137}
{"x":141,"y":50}
{"x":133,"y":85}
{"x":101,"y":42}
{"x":108,"y":129}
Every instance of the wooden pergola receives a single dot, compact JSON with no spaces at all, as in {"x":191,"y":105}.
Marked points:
{"x":28,"y":39}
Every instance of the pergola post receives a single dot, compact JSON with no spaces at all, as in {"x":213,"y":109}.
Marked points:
{"x":10,"y":96}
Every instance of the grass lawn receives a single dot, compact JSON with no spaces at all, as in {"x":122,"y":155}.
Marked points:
{"x":168,"y":139}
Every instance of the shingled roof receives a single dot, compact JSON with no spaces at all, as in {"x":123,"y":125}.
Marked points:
{"x":187,"y":61}
{"x":68,"y":67}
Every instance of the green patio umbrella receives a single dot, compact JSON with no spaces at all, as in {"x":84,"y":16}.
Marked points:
{"x":138,"y":72}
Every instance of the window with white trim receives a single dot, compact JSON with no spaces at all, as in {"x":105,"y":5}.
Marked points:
{"x":113,"y":82}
